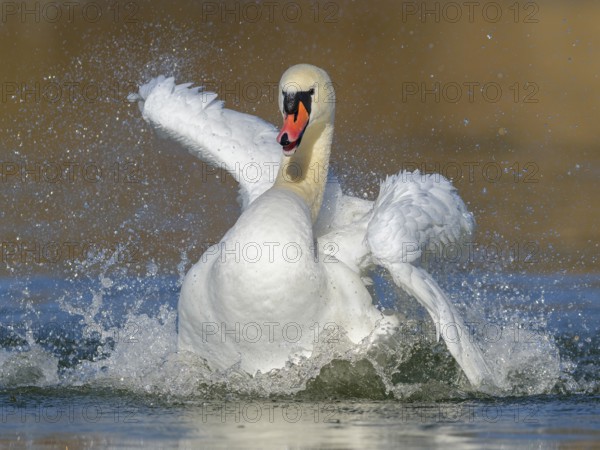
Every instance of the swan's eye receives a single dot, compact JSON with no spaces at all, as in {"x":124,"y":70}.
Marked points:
{"x":292,"y":99}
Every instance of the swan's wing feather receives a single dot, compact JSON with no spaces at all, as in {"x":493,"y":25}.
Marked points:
{"x":343,"y":237}
{"x":415,"y":212}
{"x":424,"y":288}
{"x":412,"y":212}
{"x":242,"y":144}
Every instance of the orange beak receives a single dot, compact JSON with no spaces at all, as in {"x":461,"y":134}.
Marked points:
{"x":293,"y":128}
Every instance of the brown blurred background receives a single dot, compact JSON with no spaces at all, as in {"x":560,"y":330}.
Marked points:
{"x":502,"y":97}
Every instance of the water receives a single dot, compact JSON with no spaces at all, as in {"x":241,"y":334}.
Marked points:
{"x":92,"y":263}
{"x":93,"y":361}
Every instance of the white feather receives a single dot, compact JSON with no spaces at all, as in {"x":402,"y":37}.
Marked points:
{"x":412,"y":213}
{"x":241,"y":144}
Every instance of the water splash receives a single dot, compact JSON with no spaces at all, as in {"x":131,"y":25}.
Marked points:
{"x":107,"y":327}
{"x":122,"y":335}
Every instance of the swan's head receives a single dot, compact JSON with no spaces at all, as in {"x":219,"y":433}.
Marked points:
{"x":306,"y":97}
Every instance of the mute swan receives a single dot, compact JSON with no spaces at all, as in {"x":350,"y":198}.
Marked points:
{"x":262,"y":295}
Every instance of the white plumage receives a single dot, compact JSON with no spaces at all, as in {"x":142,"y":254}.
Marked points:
{"x":412,"y":213}
{"x":224,"y":138}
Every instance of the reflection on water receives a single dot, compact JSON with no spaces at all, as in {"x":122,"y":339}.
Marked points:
{"x":547,"y":423}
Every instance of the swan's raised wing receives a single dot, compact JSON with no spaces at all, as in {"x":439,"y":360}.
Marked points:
{"x":241,"y":144}
{"x":413,"y":213}
{"x":459,"y":341}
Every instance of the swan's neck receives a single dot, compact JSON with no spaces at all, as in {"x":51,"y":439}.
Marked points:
{"x":305,"y":172}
